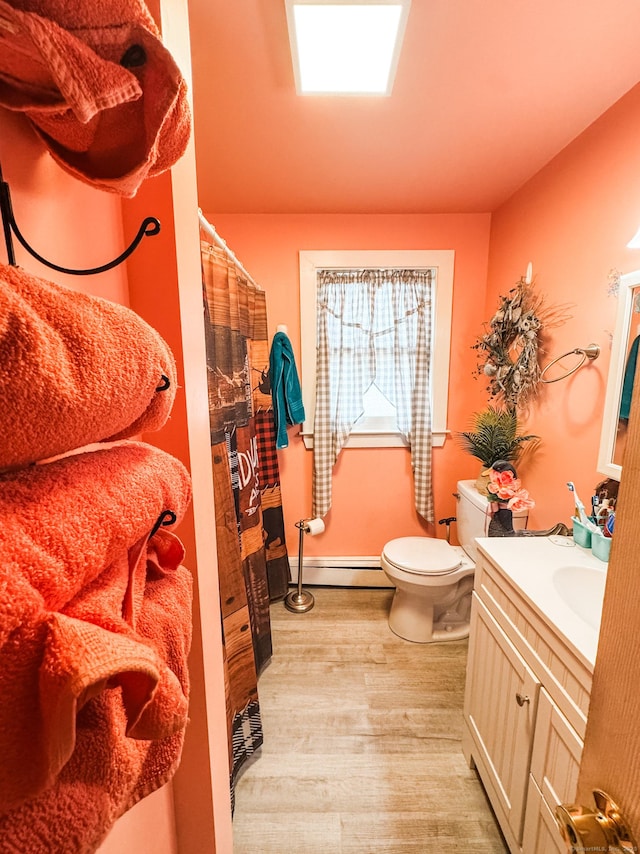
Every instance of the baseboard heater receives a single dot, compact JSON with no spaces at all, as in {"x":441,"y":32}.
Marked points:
{"x":361,"y":571}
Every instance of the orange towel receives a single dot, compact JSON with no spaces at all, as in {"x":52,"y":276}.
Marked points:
{"x":106,"y":776}
{"x":45,"y":67}
{"x":74,"y":370}
{"x":95,"y":622}
{"x":99,"y":86}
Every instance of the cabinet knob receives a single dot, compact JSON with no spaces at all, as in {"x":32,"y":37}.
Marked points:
{"x":521,"y":699}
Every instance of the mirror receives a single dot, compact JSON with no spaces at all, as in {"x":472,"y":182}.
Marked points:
{"x":624,"y":352}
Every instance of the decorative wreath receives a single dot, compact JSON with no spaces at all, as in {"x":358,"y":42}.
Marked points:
{"x":508,"y":352}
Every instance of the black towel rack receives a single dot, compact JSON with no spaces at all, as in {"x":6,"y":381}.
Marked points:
{"x":149,"y":227}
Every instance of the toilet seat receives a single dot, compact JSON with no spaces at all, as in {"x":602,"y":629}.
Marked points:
{"x":422,"y":555}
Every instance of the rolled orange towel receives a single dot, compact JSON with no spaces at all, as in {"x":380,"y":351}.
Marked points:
{"x":94,"y":601}
{"x":98,"y":85}
{"x":74,"y":370}
{"x":108,"y":772}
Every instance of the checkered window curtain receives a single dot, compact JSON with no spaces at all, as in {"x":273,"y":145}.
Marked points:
{"x":374,"y":326}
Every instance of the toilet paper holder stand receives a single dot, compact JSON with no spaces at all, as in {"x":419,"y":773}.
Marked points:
{"x":300,"y":600}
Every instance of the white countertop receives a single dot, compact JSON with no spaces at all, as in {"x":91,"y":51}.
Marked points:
{"x":536,"y":566}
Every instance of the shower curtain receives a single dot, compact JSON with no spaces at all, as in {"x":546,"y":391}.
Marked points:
{"x":252,"y":556}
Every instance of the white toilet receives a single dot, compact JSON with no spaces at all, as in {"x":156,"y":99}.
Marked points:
{"x":434,"y":579}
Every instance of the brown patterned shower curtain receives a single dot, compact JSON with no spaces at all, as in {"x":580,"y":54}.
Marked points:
{"x":252,"y":556}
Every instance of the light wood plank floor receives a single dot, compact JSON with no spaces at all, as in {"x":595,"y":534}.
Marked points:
{"x":362,"y":736}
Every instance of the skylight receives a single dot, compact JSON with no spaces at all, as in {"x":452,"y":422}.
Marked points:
{"x":345,"y":48}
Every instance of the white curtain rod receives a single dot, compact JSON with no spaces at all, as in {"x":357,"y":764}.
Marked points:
{"x":205,"y":225}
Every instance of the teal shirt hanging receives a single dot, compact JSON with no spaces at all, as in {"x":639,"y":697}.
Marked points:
{"x":285,"y":388}
{"x":629,"y":377}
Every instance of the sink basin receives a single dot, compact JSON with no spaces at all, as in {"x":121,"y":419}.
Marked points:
{"x":582,"y":589}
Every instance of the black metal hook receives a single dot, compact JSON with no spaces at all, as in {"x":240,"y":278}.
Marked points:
{"x":167,"y":517}
{"x":149,"y":227}
{"x":165,"y":384}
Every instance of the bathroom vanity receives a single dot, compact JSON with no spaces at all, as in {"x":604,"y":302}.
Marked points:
{"x":532,"y":645}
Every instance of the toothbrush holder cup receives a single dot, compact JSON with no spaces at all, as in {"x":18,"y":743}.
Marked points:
{"x":600,"y":546}
{"x":581,"y":535}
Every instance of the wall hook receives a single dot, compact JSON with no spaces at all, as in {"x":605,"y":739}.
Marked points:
{"x":149,"y":227}
{"x":167,"y":517}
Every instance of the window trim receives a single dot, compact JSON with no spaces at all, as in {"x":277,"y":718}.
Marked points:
{"x":443,"y":260}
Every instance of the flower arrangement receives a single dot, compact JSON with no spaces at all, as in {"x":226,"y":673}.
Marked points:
{"x":504,"y":488}
{"x":508,"y":352}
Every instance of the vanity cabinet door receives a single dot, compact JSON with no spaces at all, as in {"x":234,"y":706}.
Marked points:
{"x":541,"y":834}
{"x":500,"y":707}
{"x":555,"y":761}
{"x":555,"y":765}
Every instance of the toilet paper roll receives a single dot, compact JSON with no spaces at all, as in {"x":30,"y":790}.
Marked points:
{"x":314,"y":526}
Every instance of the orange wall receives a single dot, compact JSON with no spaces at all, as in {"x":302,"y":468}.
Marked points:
{"x":65,"y":221}
{"x":170,"y":298}
{"x":166,"y":289}
{"x":372,"y":495}
{"x":572,"y":221}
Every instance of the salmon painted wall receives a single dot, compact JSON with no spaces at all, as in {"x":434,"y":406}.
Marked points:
{"x":66,"y":221}
{"x":166,"y":289}
{"x":373,"y":492}
{"x":572,"y":221}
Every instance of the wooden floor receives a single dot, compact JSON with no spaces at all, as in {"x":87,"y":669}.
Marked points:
{"x":361,"y":740}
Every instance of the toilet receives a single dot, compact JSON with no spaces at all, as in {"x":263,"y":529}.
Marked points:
{"x":434,"y":579}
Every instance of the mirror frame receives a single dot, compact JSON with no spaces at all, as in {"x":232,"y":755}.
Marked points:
{"x":608,"y":434}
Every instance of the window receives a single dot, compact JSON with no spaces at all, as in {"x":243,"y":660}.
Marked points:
{"x":377,"y":427}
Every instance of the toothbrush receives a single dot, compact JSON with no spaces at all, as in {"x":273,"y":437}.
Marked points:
{"x":582,"y":513}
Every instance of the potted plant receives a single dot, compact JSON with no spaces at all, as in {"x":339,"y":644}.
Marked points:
{"x":494,"y":436}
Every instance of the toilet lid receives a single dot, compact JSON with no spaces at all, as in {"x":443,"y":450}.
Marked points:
{"x":422,"y":555}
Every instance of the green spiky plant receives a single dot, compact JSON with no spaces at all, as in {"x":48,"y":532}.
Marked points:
{"x":495,"y":436}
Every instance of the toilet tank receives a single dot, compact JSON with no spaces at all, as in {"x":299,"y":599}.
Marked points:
{"x":472,"y":514}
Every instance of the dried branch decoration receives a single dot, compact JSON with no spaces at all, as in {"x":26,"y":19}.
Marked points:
{"x":508,"y":351}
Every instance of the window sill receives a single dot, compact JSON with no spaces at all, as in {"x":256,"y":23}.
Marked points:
{"x":378,"y":439}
